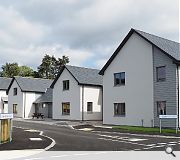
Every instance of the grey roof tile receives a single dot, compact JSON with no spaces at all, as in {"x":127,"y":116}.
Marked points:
{"x":46,"y":97}
{"x":170,"y":47}
{"x":33,"y":84}
{"x":4,"y":83}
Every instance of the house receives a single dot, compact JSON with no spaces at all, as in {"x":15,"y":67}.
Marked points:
{"x":141,"y":81}
{"x":77,"y":94}
{"x":23,"y":92}
{"x":43,"y":104}
{"x":4,"y":84}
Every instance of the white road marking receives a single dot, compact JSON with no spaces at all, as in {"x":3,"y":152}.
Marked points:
{"x":136,"y":139}
{"x":162,"y":143}
{"x":172,"y":142}
{"x":31,"y":130}
{"x":35,"y":139}
{"x":149,"y":145}
{"x":59,"y":156}
{"x":86,"y":129}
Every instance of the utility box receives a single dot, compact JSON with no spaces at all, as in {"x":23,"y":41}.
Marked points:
{"x":5,"y":127}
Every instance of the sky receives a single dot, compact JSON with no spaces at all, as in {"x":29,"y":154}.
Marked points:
{"x":88,"y":31}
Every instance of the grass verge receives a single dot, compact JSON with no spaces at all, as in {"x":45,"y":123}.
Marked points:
{"x":144,"y":129}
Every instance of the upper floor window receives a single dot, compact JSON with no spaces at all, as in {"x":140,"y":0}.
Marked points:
{"x":15,"y":91}
{"x":119,"y":78}
{"x":89,"y":107}
{"x":161,"y":73}
{"x":161,"y":108}
{"x":119,"y":109}
{"x":66,"y":85}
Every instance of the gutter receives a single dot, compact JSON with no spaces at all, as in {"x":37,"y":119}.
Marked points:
{"x":178,"y":94}
{"x":82,"y":102}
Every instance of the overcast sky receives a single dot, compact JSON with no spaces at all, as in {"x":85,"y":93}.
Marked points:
{"x":88,"y":31}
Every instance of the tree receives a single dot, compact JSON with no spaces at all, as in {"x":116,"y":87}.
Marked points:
{"x":10,"y":70}
{"x":26,"y":71}
{"x":51,"y":66}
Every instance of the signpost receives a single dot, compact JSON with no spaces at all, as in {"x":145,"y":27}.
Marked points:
{"x":5,"y":127}
{"x":167,"y":117}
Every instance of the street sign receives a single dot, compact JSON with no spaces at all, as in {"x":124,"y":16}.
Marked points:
{"x":6,"y":116}
{"x":168,"y":116}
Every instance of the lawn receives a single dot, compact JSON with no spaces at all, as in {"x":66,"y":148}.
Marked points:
{"x":144,"y":129}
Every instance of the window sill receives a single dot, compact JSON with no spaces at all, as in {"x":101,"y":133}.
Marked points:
{"x":119,"y":116}
{"x":89,"y":112}
{"x":65,"y":114}
{"x":119,"y":85}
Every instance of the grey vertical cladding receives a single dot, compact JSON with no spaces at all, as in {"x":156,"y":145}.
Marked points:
{"x":166,"y":90}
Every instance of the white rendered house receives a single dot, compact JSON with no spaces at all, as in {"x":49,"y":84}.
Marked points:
{"x":141,"y":81}
{"x":77,"y":94}
{"x":4,"y":84}
{"x":23,"y":92}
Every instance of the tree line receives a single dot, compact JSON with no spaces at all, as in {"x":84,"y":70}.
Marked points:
{"x":49,"y":68}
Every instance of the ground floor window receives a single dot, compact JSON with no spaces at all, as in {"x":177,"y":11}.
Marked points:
{"x":66,"y":108}
{"x":15,"y":108}
{"x":161,"y":108}
{"x":89,"y":107}
{"x":119,"y":109}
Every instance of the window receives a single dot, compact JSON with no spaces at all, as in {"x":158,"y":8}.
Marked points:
{"x":119,"y":109}
{"x":89,"y":107}
{"x":15,"y":91}
{"x":15,"y":108}
{"x":161,"y":108}
{"x":66,"y":108}
{"x":66,"y":85}
{"x":161,"y":73}
{"x":119,"y":78}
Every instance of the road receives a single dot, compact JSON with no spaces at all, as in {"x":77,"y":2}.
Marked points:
{"x":68,"y":139}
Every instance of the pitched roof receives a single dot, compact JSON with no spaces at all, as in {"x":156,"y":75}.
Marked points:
{"x":4,"y":83}
{"x":170,"y":48}
{"x":28,"y":84}
{"x":84,"y":76}
{"x":46,"y":97}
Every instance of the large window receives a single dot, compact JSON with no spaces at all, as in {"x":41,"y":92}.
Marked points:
{"x":66,"y":108}
{"x":15,"y":91}
{"x":89,"y":107}
{"x":66,"y":85}
{"x":161,"y":108}
{"x":119,"y":78}
{"x":119,"y":109}
{"x":15,"y":108}
{"x":161,"y":73}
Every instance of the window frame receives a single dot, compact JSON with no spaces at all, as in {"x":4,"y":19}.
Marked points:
{"x":123,"y":114}
{"x":15,"y":91}
{"x":120,"y":79}
{"x":65,"y":85}
{"x":66,"y":113}
{"x":90,"y":111}
{"x":15,"y":109}
{"x":158,"y":111}
{"x":157,"y":75}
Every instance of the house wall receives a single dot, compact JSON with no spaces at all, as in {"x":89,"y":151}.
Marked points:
{"x":28,"y":99}
{"x":17,"y":99}
{"x":91,"y":94}
{"x":3,"y":94}
{"x":45,"y":109}
{"x":135,"y":59}
{"x":72,"y":95}
{"x":179,"y":93}
{"x":166,"y":90}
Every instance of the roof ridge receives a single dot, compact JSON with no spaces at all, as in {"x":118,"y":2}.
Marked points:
{"x":156,"y":36}
{"x":82,"y":67}
{"x":32,"y":78}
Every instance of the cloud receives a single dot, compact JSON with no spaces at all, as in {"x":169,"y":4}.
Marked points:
{"x":87,"y":31}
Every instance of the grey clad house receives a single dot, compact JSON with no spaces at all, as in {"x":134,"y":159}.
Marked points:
{"x":141,"y":81}
{"x":23,"y":93}
{"x":4,"y":84}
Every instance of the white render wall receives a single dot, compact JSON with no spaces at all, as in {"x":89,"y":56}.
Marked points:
{"x":135,"y":59}
{"x":72,"y":95}
{"x":3,"y":94}
{"x":91,"y":94}
{"x":17,"y":99}
{"x":28,"y":99}
{"x":179,"y":92}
